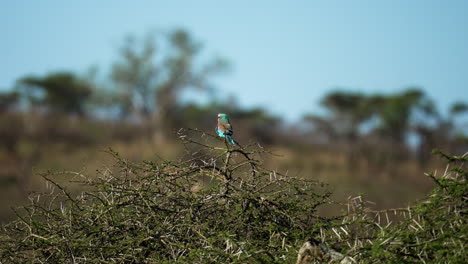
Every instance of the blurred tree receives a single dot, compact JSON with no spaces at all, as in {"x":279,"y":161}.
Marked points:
{"x":12,"y":131}
{"x":8,"y":100}
{"x":395,"y":112}
{"x":446,"y":133}
{"x":350,"y":110}
{"x":61,"y":92}
{"x":10,"y":128}
{"x":431,"y":134}
{"x":388,"y":118}
{"x":458,"y":108}
{"x":258,"y":124}
{"x":323,"y":130}
{"x":459,"y":133}
{"x":136,"y":76}
{"x":400,"y":114}
{"x":152,"y":86}
{"x":182,"y":74}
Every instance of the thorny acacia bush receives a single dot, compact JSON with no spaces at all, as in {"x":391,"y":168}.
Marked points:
{"x":220,"y":205}
{"x":434,"y":230}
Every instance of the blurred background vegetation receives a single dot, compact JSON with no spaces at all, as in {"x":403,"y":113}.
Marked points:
{"x":373,"y":143}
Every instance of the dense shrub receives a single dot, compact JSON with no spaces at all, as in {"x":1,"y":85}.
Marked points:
{"x":434,"y":230}
{"x":220,"y":205}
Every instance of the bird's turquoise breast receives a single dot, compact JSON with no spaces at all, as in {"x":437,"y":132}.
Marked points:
{"x":220,"y":133}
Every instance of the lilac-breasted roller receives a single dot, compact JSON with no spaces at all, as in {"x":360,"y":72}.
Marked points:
{"x":224,"y":128}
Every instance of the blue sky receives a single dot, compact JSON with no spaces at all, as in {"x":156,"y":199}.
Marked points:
{"x":285,"y":55}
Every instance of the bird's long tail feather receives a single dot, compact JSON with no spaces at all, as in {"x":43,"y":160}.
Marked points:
{"x":231,"y":140}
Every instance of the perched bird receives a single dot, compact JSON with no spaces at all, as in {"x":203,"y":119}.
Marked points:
{"x":224,"y":128}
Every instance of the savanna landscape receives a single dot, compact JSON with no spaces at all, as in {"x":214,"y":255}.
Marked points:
{"x":118,"y":167}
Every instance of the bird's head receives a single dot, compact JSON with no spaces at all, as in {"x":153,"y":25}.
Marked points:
{"x":222,"y":116}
